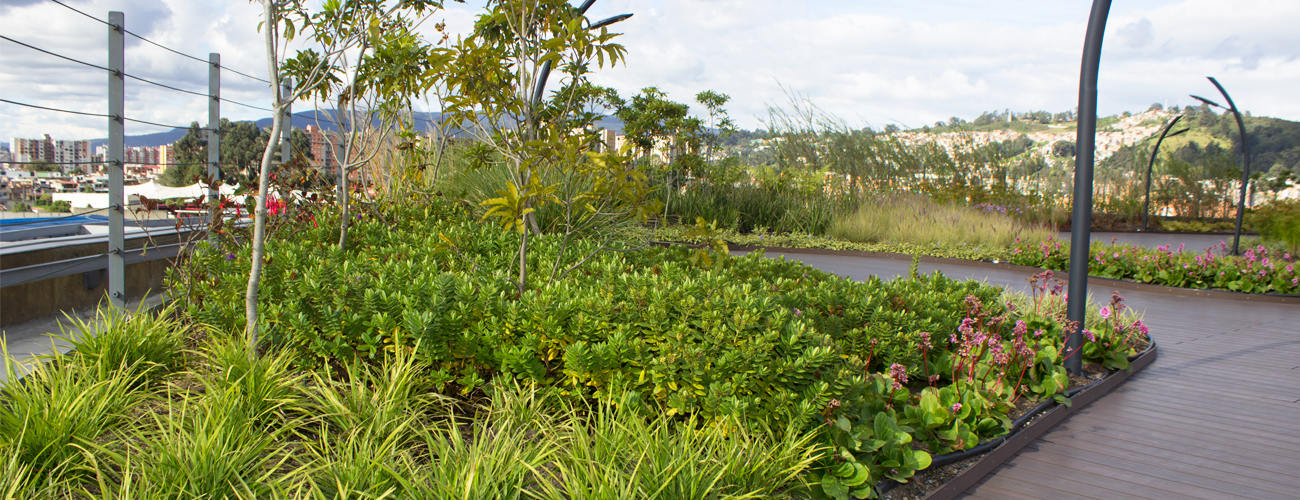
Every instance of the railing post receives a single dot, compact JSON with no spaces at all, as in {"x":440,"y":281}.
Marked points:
{"x":214,"y":137}
{"x":116,"y":175}
{"x":1081,"y":224}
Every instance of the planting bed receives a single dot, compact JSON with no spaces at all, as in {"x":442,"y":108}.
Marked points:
{"x":386,"y":353}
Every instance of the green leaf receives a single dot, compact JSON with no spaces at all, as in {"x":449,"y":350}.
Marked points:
{"x":834,"y":488}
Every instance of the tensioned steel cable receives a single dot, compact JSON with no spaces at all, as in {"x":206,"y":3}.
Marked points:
{"x":222,"y":99}
{"x":97,"y":114}
{"x":96,"y":66}
{"x":54,"y":109}
{"x":156,"y":124}
{"x":167,"y":86}
{"x":124,"y":30}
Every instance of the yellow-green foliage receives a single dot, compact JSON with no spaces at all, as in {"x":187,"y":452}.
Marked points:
{"x":917,"y":219}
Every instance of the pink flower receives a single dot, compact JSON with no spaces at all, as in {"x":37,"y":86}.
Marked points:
{"x":898,"y":373}
{"x":1090,"y":336}
{"x":1105,"y":312}
{"x":956,"y":408}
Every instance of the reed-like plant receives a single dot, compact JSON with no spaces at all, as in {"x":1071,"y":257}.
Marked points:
{"x":917,"y":219}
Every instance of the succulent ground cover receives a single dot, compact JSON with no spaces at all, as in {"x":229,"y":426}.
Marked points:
{"x":409,"y":367}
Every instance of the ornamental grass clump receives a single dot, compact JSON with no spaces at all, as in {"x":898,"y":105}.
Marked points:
{"x":150,"y":343}
{"x":919,"y":220}
{"x":52,"y":417}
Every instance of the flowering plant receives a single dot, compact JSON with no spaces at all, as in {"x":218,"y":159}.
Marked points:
{"x":1255,"y":271}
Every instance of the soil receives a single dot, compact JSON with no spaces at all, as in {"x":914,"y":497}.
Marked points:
{"x":931,"y":479}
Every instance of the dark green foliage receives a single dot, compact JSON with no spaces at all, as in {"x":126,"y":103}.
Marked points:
{"x":753,"y":337}
{"x":242,"y":145}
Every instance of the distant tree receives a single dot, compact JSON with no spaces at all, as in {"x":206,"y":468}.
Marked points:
{"x":242,"y":144}
{"x":43,"y":166}
{"x":19,"y":206}
{"x":890,"y":129}
{"x":1155,"y":106}
{"x":1063,"y":149}
{"x":1126,"y":114}
{"x":720,"y":125}
{"x":986,"y":118}
{"x":1011,"y":148}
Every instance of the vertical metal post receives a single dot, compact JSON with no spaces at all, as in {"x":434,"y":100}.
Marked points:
{"x":116,"y":176}
{"x":1081,"y":223}
{"x":214,"y":134}
{"x":285,"y":134}
{"x":1245,"y":157}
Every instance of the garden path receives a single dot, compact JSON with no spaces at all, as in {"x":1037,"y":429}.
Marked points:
{"x":1216,"y":416}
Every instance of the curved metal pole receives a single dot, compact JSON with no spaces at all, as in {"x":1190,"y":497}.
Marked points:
{"x":1081,"y":222}
{"x":1245,"y":173}
{"x":545,"y":72}
{"x":1146,"y":205}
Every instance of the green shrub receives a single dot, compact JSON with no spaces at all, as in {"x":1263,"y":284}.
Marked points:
{"x":1278,"y":221}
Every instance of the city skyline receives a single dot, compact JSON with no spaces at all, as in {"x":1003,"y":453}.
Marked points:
{"x":871,"y":65}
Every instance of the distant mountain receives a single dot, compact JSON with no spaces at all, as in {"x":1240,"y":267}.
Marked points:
{"x":320,"y":118}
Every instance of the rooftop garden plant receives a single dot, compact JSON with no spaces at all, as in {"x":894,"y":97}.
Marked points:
{"x":1257,"y":270}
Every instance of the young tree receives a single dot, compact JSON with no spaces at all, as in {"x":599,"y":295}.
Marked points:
{"x":373,"y":84}
{"x":651,"y":122}
{"x":547,"y":144}
{"x":338,"y":27}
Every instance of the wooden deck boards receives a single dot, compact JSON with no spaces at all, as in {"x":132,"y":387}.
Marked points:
{"x":1217,"y":415}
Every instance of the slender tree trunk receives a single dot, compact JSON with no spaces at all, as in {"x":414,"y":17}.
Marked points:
{"x":348,"y":148}
{"x":259,"y":220}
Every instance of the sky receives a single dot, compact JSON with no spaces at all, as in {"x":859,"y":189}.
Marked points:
{"x":867,"y":62}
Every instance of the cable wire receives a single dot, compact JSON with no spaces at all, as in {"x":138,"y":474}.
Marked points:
{"x":156,"y":124}
{"x":245,"y":75}
{"x":53,"y":163}
{"x":55,"y":109}
{"x":96,"y":66}
{"x":77,"y":262}
{"x":222,"y":99}
{"x":157,"y":44}
{"x":167,"y":86}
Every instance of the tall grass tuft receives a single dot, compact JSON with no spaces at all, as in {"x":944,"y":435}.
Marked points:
{"x":614,"y":452}
{"x":147,"y":345}
{"x":917,"y":219}
{"x":492,"y":457}
{"x":264,"y":389}
{"x":51,"y":418}
{"x":204,"y":450}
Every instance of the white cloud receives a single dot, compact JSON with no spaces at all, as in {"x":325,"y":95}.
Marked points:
{"x":915,"y":63}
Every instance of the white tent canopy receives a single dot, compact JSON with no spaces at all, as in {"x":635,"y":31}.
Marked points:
{"x":151,"y":190}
